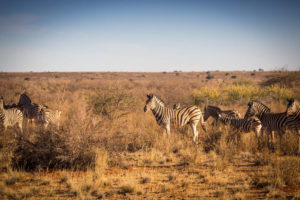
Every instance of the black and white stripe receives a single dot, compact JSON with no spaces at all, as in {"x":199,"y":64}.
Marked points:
{"x":32,"y":112}
{"x":271,"y":122}
{"x":10,"y":116}
{"x":164,"y":116}
{"x":242,"y":124}
{"x":214,"y":111}
{"x":48,"y":116}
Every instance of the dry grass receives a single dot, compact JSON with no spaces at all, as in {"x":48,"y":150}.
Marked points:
{"x":107,"y":147}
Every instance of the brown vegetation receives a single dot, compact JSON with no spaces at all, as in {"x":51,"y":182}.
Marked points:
{"x":107,"y":147}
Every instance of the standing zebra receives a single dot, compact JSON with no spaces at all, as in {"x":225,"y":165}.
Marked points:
{"x":10,"y":116}
{"x":270,"y":121}
{"x":189,"y":115}
{"x":214,"y":111}
{"x":242,"y":124}
{"x":48,"y":116}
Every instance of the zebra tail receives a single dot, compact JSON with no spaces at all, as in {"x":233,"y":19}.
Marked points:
{"x":202,"y":123}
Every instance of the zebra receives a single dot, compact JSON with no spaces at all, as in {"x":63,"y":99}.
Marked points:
{"x":293,"y":114}
{"x":214,"y":111}
{"x":48,"y":116}
{"x":188,"y":115}
{"x":271,"y":122}
{"x":242,"y":124}
{"x":10,"y":116}
{"x":32,"y":111}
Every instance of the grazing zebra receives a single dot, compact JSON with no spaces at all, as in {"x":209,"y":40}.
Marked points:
{"x":270,"y":121}
{"x":189,"y":115}
{"x":24,"y":100}
{"x":242,"y":124}
{"x":48,"y":116}
{"x":10,"y":116}
{"x":214,"y":111}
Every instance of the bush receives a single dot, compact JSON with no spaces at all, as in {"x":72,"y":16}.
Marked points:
{"x":211,"y":94}
{"x":51,"y":149}
{"x":112,"y":103}
{"x":283,"y":79}
{"x":278,"y":93}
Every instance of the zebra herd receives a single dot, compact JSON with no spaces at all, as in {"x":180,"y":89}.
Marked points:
{"x":258,"y":117}
{"x":25,"y":111}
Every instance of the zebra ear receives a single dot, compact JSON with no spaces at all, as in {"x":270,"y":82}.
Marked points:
{"x":250,"y":103}
{"x":291,"y":100}
{"x":149,"y":96}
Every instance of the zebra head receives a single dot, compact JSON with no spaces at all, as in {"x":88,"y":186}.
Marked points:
{"x":293,"y":107}
{"x":176,"y":106}
{"x":256,"y":108}
{"x":152,"y":101}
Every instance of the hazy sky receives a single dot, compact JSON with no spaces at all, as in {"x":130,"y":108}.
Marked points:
{"x":70,"y":35}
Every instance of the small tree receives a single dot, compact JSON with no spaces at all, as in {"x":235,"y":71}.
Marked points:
{"x":112,"y":103}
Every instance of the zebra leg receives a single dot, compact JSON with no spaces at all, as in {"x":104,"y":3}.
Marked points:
{"x":167,"y":127}
{"x":21,"y":126}
{"x":195,"y":132}
{"x":258,"y":134}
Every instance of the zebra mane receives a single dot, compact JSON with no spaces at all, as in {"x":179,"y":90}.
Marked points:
{"x":159,"y":101}
{"x":259,"y":103}
{"x":214,"y":107}
{"x":156,"y":98}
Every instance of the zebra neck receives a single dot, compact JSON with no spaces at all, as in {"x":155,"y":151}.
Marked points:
{"x":158,"y":111}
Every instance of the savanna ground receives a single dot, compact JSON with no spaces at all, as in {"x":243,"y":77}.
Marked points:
{"x":107,"y":147}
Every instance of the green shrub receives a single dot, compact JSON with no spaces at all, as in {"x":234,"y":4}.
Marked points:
{"x":278,"y":93}
{"x":211,"y":94}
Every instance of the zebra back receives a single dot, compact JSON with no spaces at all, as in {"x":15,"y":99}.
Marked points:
{"x":241,"y":124}
{"x":214,"y":111}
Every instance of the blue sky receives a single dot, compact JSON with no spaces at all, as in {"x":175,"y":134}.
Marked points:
{"x":70,"y":35}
